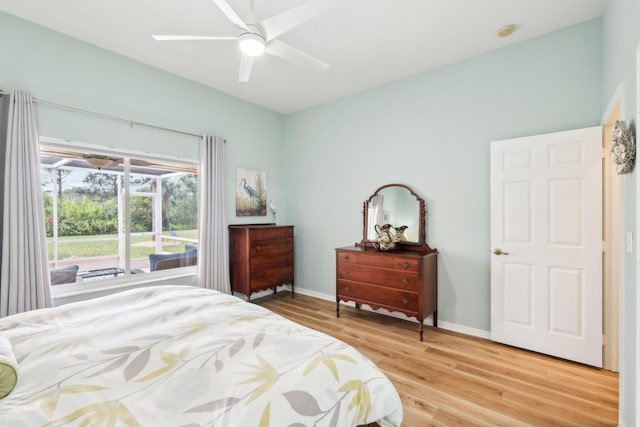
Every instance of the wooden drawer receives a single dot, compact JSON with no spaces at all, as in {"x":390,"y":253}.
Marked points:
{"x":398,"y":279}
{"x":274,"y":270}
{"x":379,"y":260}
{"x":406,"y":264}
{"x":375,"y":260}
{"x":268,"y":233}
{"x":272,"y":277}
{"x":260,"y":262}
{"x":378,"y":296}
{"x":261,"y":247}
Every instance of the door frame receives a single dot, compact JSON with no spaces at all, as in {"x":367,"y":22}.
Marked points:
{"x":637,"y":261}
{"x":612,"y":238}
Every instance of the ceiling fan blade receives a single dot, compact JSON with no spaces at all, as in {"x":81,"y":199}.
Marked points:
{"x":186,"y":37}
{"x":246,"y":64}
{"x":231,"y":14}
{"x":291,"y":18}
{"x":290,"y":53}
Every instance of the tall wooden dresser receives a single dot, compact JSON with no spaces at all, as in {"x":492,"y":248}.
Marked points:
{"x":401,"y":281}
{"x":261,"y":257}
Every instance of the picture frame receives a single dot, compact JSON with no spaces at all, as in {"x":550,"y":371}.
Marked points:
{"x":251,"y":192}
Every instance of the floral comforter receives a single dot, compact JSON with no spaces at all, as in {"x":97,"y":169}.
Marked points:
{"x":186,"y":356}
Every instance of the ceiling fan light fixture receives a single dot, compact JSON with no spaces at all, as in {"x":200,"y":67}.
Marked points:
{"x":252,"y":44}
{"x":99,"y":161}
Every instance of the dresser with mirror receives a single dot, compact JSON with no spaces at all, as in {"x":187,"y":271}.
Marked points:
{"x":403,"y":279}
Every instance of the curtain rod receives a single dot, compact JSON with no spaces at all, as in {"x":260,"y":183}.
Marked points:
{"x":106,"y":116}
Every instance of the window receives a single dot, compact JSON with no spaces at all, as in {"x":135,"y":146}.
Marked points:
{"x":113,"y":215}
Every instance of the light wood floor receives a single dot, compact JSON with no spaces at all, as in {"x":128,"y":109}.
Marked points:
{"x":454,"y":379}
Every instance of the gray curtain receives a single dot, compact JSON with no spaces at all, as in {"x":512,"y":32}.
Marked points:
{"x":213,"y":247}
{"x":24,"y":274}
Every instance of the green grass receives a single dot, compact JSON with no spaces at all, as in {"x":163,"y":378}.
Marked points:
{"x":88,"y":247}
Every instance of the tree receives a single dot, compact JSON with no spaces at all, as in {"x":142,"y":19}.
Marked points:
{"x":180,"y":202}
{"x":141,"y":218}
{"x":104,"y":186}
{"x":92,"y":208}
{"x":59,"y":174}
{"x":168,"y":188}
{"x":101,"y":186}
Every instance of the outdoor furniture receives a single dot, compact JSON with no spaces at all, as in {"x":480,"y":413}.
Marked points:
{"x":176,"y":262}
{"x":92,"y":274}
{"x":64,"y":275}
{"x":167,"y":261}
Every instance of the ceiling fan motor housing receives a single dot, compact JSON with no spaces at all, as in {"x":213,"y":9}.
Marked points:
{"x":252,"y":44}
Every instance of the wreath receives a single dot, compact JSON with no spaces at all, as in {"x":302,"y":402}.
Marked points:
{"x":623,"y":147}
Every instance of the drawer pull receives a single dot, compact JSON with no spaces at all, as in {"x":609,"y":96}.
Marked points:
{"x":405,"y":264}
{"x":346,"y":257}
{"x":346,"y":272}
{"x":257,"y":248}
{"x":347,"y":289}
{"x":405,"y":301}
{"x":405,"y":281}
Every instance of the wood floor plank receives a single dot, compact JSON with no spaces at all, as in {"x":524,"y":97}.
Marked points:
{"x":453,"y":379}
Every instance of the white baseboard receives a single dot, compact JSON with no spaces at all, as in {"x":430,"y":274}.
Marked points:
{"x":428,"y":321}
{"x":464,"y":329}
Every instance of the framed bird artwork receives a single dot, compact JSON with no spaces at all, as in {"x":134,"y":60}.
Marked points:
{"x":251,"y":192}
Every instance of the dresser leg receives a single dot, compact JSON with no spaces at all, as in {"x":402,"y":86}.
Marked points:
{"x":293,"y":293}
{"x":358,"y":305}
{"x":421,"y":329}
{"x":337,"y":308}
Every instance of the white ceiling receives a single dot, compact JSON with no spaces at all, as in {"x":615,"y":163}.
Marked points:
{"x":366,"y":42}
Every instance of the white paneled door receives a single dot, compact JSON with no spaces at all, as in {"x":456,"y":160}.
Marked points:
{"x":546,"y":244}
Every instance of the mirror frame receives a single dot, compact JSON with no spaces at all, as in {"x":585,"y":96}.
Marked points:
{"x":420,"y":245}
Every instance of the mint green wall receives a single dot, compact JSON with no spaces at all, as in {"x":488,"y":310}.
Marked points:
{"x":621,"y":37}
{"x":432,"y":132}
{"x":60,"y":69}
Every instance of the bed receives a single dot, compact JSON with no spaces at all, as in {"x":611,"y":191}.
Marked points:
{"x":186,"y":356}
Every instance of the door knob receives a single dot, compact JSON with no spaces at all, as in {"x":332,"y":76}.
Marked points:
{"x":498,"y":251}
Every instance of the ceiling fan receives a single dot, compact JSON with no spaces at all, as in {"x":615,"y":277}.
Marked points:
{"x":99,"y":161}
{"x":261,"y":37}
